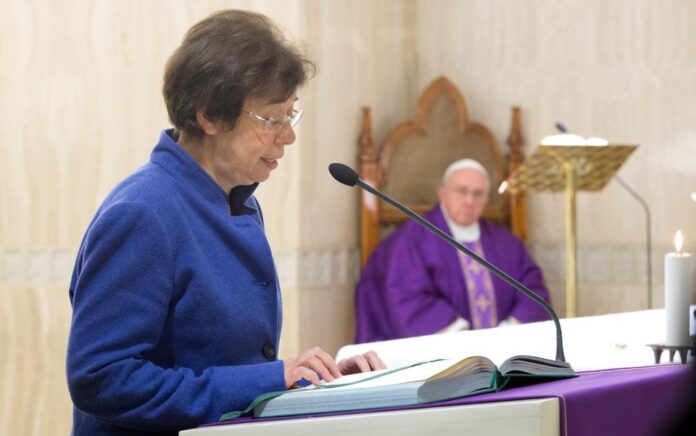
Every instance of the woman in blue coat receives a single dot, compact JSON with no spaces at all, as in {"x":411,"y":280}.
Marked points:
{"x":175,"y":296}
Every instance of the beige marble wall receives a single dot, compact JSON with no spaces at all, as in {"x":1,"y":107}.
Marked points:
{"x":80,"y":108}
{"x":33,"y":327}
{"x":351,"y":41}
{"x":624,"y":70}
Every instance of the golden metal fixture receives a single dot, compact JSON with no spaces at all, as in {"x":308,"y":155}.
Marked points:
{"x":555,"y":168}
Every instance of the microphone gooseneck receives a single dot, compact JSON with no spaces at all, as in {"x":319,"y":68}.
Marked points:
{"x":348,"y":176}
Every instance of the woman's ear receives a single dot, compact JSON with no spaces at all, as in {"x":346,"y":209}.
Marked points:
{"x":209,"y":127}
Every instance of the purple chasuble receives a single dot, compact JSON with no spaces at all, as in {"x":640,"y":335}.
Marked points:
{"x":413,"y":284}
{"x":479,"y":288}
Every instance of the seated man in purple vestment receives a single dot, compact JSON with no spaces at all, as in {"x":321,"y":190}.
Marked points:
{"x":416,"y":284}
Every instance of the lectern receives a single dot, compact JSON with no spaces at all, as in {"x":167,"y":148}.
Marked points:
{"x":569,"y":168}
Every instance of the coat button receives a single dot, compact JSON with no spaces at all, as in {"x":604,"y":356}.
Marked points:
{"x":269,"y":350}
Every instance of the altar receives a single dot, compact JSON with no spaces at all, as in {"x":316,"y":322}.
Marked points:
{"x":620,"y":389}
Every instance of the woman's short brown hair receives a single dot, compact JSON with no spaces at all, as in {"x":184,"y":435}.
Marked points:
{"x":223,"y":60}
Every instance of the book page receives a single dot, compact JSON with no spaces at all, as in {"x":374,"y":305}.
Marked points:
{"x":413,"y":373}
{"x":534,"y":365}
{"x":469,"y":365}
{"x":384,"y":377}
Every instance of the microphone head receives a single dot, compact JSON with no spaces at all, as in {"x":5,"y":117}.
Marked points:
{"x":344,"y":174}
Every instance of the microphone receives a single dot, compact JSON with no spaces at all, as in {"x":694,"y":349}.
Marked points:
{"x":349,"y":177}
{"x":561,"y":127}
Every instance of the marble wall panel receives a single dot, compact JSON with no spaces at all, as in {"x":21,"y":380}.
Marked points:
{"x":80,"y":108}
{"x":623,"y":70}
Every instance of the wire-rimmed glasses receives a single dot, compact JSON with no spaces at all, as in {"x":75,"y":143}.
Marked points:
{"x":275,"y":124}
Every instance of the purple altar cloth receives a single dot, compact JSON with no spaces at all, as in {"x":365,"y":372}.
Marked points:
{"x":643,"y":401}
{"x":629,"y":401}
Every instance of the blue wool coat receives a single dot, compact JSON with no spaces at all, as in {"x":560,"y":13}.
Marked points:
{"x":176,"y":303}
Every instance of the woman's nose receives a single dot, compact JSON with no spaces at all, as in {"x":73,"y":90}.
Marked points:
{"x":287,"y":135}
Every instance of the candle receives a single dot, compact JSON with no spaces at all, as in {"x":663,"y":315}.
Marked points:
{"x":679,"y":286}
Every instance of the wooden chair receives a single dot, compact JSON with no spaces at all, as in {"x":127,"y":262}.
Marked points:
{"x":410,"y":163}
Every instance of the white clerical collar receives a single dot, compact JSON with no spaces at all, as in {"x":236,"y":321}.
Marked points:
{"x":462,"y":233}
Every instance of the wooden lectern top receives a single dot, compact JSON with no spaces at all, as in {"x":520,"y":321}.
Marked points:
{"x":593,"y":166}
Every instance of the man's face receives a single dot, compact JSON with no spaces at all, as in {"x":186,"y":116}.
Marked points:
{"x":464,"y":196}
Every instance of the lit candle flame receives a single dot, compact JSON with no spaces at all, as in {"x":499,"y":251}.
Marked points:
{"x":678,"y":241}
{"x":503,"y":187}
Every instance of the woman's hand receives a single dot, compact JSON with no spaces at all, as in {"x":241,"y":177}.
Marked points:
{"x":365,"y":362}
{"x":310,"y":365}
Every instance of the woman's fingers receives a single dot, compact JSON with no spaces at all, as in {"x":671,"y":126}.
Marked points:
{"x":320,"y":361}
{"x":374,"y":360}
{"x":365,"y":362}
{"x":312,"y":365}
{"x":302,"y":372}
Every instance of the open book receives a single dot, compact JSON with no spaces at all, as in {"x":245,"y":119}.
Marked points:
{"x":423,"y":382}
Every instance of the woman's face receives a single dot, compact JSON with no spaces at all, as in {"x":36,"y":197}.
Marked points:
{"x":248,"y":153}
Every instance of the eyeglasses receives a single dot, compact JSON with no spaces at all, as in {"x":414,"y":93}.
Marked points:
{"x":464,"y":191}
{"x":274,"y":124}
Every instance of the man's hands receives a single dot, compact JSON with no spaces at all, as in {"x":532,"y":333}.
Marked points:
{"x":316,"y":364}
